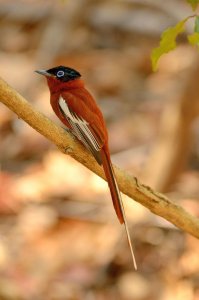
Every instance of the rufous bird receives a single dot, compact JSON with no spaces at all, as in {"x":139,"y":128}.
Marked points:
{"x":76,"y":108}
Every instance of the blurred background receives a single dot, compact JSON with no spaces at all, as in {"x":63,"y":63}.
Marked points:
{"x":59,"y":236}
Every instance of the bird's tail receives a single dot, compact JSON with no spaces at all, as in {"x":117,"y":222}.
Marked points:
{"x":116,"y":197}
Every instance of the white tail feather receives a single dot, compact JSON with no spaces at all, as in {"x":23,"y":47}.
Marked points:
{"x":128,"y":237}
{"x":125,"y":220}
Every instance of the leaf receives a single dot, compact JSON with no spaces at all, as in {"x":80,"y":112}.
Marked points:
{"x":194,"y":37}
{"x":167,"y":42}
{"x":196,"y":27}
{"x":194,"y":3}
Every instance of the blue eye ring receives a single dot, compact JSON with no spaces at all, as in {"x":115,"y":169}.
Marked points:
{"x":60,"y":73}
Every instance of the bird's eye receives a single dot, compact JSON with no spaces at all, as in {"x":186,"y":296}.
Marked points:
{"x":60,"y":73}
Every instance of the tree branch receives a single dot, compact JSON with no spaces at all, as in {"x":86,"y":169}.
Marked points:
{"x":129,"y":185}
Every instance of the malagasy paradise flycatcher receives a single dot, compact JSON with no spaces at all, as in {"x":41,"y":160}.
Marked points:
{"x":78,"y":111}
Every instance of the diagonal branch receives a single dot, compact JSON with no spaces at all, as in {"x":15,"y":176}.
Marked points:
{"x":129,"y":185}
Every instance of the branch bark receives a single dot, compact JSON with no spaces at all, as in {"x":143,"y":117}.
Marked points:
{"x":129,"y":185}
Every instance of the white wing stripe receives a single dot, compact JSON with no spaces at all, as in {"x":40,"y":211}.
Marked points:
{"x":78,"y":124}
{"x":90,"y":136}
{"x":83,"y":125}
{"x":65,"y":108}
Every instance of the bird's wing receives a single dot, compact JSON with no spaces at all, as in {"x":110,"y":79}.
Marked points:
{"x":82,"y":129}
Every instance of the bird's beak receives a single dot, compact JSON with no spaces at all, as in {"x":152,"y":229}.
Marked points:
{"x":44,"y":72}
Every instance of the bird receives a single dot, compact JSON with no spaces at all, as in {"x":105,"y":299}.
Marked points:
{"x":78,"y":111}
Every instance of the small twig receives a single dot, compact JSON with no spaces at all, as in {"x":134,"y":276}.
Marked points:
{"x":129,"y":185}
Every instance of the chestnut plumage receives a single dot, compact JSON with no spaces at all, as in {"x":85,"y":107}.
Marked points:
{"x":77,"y":109}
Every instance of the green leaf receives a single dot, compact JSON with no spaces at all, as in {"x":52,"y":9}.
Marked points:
{"x":194,"y":3}
{"x":196,"y":27}
{"x":167,"y":42}
{"x":194,"y":39}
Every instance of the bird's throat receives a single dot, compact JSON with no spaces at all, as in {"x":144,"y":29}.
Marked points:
{"x":56,"y":85}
